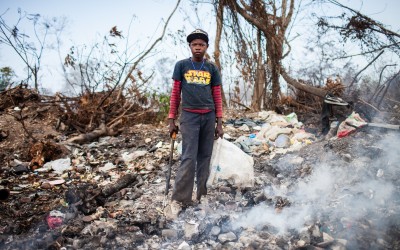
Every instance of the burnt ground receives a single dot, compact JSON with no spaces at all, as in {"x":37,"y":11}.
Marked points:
{"x":331,"y":194}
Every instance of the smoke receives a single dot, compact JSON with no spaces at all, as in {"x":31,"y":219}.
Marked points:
{"x":336,"y":190}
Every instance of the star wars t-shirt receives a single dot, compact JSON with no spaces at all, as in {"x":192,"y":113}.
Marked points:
{"x":197,"y":78}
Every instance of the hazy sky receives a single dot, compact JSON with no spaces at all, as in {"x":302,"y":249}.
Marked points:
{"x":89,"y":20}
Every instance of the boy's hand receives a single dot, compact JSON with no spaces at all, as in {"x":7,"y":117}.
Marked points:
{"x":172,"y":127}
{"x":219,"y":132}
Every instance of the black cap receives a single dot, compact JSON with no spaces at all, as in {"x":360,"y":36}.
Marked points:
{"x":197,"y":34}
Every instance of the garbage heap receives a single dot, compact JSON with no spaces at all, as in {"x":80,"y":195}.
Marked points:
{"x":298,"y":191}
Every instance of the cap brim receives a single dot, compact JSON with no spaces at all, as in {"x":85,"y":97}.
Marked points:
{"x":191,"y":37}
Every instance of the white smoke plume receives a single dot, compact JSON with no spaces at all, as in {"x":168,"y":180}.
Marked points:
{"x":341,"y":191}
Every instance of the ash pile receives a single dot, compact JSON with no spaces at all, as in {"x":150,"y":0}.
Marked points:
{"x":305,"y":192}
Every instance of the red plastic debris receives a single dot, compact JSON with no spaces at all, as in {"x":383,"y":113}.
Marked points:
{"x":54,"y":222}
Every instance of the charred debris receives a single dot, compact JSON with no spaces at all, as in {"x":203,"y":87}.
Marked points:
{"x":88,"y":172}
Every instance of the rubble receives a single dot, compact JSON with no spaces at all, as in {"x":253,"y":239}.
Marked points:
{"x":311,"y":193}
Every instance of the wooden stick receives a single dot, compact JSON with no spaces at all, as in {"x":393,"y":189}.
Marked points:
{"x":383,"y":125}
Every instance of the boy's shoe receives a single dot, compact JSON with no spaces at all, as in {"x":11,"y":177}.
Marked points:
{"x":172,"y":211}
{"x":203,"y":203}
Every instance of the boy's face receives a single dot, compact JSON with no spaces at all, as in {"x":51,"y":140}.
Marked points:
{"x":198,"y":48}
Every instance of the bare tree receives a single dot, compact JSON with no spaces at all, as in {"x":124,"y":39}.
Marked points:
{"x":98,"y":67}
{"x":112,"y":83}
{"x":372,"y":36}
{"x":28,"y":48}
{"x":145,"y":53}
{"x":272,"y":19}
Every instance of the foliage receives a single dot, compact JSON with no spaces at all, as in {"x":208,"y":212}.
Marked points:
{"x":160,"y":103}
{"x":6,"y":75}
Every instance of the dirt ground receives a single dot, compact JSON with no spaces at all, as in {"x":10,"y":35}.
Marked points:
{"x":346,"y":189}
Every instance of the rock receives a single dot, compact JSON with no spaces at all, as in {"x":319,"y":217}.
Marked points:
{"x":147,"y":140}
{"x":282,"y":141}
{"x":380,"y":241}
{"x":344,"y":242}
{"x":227,"y":136}
{"x":87,"y":218}
{"x":57,"y":182}
{"x":191,"y":228}
{"x":213,"y":244}
{"x":338,"y":247}
{"x":225,"y":189}
{"x":347,"y":157}
{"x":233,"y":245}
{"x":227,"y":237}
{"x":159,"y":144}
{"x":149,"y":167}
{"x":327,"y":237}
{"x":45,"y":185}
{"x":297,"y":160}
{"x":301,"y":243}
{"x":184,"y":246}
{"x":155,"y":246}
{"x":246,"y":240}
{"x":379,"y":174}
{"x":59,"y":165}
{"x":107,"y":167}
{"x":305,"y":236}
{"x":77,"y":244}
{"x":20,"y":169}
{"x":129,"y":157}
{"x":315,"y":232}
{"x":215,"y":230}
{"x":244,"y":127}
{"x":258,"y":128}
{"x":103,"y":240}
{"x":327,"y":240}
{"x":169,"y":234}
{"x":25,"y":199}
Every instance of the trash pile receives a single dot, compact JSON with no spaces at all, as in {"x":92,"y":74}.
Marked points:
{"x":274,"y":185}
{"x":271,"y":134}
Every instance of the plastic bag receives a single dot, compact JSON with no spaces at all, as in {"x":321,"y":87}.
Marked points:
{"x":350,"y":124}
{"x":229,"y":163}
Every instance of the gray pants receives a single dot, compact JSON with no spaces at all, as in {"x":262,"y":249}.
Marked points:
{"x":197,"y":145}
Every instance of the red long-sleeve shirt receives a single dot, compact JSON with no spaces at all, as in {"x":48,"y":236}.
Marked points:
{"x":175,"y":101}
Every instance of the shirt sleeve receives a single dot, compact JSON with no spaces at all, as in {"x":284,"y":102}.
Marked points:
{"x":175,"y":99}
{"x":217,"y":96}
{"x":177,"y":74}
{"x":216,"y":76}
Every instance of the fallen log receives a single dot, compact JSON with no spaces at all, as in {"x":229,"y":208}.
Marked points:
{"x":87,"y":198}
{"x":123,"y":182}
{"x":304,"y":87}
{"x":95,"y":134}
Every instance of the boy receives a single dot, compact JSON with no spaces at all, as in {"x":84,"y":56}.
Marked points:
{"x":199,"y":82}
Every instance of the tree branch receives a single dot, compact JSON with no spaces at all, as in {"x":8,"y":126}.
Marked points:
{"x":355,"y":78}
{"x":147,"y":52}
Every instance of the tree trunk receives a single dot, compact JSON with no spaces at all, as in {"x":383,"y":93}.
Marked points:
{"x":259,"y":83}
{"x":306,"y":88}
{"x":35,"y":78}
{"x":217,"y":51}
{"x":273,"y":25}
